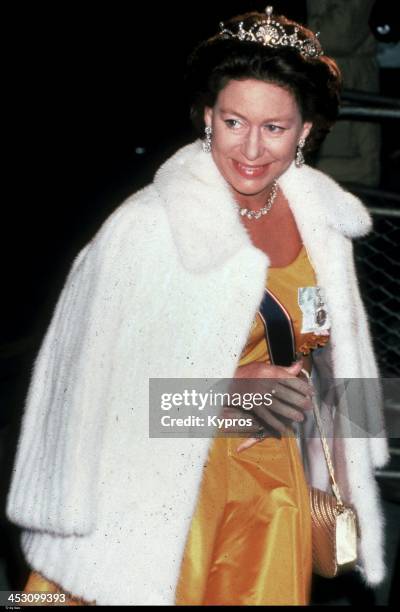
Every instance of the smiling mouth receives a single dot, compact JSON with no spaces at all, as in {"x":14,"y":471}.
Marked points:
{"x":250,"y":171}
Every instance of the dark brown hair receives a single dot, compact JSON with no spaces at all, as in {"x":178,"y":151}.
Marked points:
{"x":315,"y":82}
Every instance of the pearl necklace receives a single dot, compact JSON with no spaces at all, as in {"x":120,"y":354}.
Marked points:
{"x":256,"y":214}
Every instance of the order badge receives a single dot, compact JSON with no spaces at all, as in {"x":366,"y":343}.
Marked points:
{"x":313,"y":306}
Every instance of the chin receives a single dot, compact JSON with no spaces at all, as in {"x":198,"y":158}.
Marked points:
{"x":249,"y":191}
{"x":250,"y":187}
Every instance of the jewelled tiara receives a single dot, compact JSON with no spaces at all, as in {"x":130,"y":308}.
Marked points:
{"x":270,"y":33}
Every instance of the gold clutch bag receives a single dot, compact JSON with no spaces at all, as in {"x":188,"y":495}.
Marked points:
{"x":334,"y":535}
{"x":334,"y":524}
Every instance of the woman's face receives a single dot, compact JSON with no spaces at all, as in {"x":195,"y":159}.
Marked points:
{"x":256,"y":129}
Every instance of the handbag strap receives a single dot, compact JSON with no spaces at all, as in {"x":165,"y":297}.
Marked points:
{"x":325,"y":446}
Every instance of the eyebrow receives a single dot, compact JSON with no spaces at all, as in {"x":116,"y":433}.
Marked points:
{"x":229,"y":111}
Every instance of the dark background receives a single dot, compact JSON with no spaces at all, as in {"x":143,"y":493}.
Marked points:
{"x":90,"y":87}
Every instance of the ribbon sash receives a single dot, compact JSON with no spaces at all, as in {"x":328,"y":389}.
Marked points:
{"x":278,"y":329}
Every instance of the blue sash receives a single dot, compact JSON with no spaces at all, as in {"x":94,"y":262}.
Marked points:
{"x":278,"y":330}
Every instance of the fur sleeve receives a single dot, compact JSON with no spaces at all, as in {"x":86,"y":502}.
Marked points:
{"x":53,"y":486}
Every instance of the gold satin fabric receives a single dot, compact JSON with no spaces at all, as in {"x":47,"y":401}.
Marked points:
{"x":250,"y":538}
{"x":284,"y":283}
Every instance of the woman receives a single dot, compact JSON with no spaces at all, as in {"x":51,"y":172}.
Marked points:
{"x":173,"y":286}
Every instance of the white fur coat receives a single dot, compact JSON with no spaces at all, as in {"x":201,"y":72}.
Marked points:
{"x":168,"y":288}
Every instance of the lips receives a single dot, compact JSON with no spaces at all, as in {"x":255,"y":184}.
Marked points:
{"x":250,"y":171}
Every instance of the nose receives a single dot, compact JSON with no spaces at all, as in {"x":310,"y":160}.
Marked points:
{"x":253,"y":146}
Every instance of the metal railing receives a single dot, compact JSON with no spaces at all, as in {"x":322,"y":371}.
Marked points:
{"x":378,"y":254}
{"x":378,"y":265}
{"x":364,"y":106}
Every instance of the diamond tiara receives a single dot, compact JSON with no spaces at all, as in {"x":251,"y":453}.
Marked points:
{"x":270,"y":33}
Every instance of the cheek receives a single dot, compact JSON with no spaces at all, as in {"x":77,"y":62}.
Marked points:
{"x":283,"y":149}
{"x":223,"y":140}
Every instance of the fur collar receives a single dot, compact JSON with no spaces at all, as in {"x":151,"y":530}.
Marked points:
{"x":203,"y":213}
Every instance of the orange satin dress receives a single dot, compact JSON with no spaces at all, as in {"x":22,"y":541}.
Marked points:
{"x":250,"y":537}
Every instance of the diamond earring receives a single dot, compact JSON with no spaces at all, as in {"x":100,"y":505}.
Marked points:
{"x":299,"y":160}
{"x":207,"y":140}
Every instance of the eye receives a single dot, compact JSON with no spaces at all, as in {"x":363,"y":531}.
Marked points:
{"x":274,"y":129}
{"x":232,"y":123}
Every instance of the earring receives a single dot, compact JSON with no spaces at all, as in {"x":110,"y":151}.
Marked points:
{"x":299,"y":160}
{"x":207,"y":140}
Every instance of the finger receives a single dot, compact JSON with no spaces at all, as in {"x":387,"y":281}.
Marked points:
{"x":292,"y":398}
{"x":248,"y":443}
{"x":283,"y":409}
{"x":295,"y":368}
{"x":296,"y":384}
{"x":264,"y":433}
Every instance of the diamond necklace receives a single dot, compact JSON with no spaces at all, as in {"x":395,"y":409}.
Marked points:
{"x":256,"y":214}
